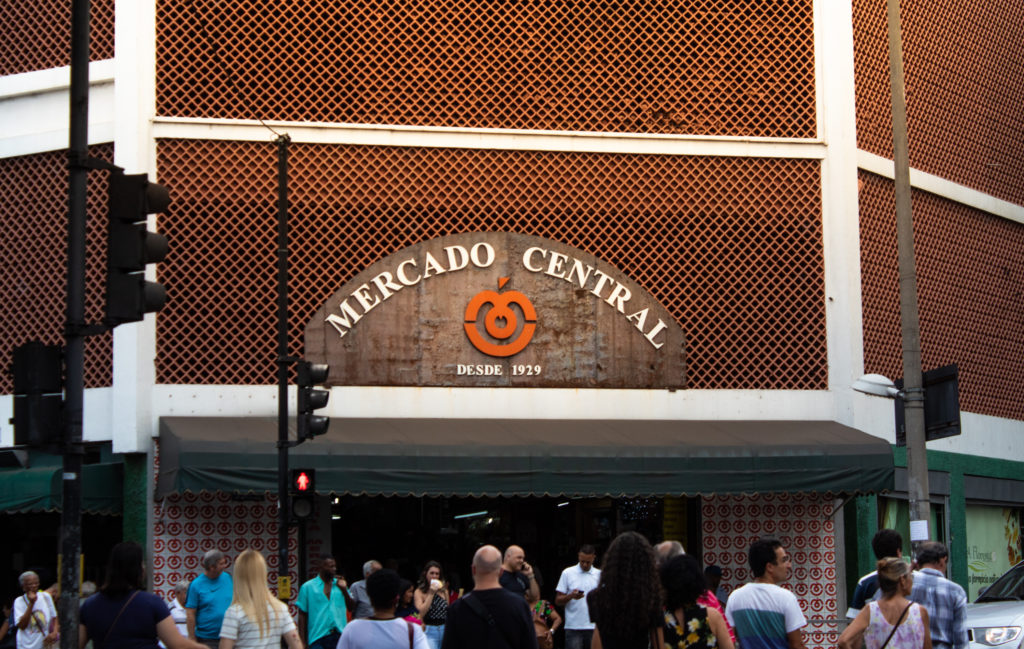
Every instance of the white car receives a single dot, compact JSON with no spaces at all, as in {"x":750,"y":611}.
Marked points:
{"x":996,"y":618}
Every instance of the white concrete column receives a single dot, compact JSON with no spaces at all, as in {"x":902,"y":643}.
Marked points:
{"x":834,"y":70}
{"x":135,"y":150}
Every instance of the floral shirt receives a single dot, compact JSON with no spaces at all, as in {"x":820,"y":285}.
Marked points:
{"x":695,"y":633}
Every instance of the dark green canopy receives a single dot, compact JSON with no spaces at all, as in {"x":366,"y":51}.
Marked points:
{"x":520,"y":457}
{"x":40,"y":489}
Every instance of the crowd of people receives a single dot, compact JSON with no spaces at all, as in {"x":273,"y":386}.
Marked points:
{"x":642,"y":597}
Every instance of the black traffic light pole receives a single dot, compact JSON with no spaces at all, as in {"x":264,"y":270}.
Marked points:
{"x":283,"y":363}
{"x":74,"y":337}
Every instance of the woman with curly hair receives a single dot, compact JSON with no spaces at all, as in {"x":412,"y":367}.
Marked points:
{"x":626,"y":605}
{"x":688,"y":624}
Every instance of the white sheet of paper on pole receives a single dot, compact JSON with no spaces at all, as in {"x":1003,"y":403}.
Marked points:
{"x":918,"y":531}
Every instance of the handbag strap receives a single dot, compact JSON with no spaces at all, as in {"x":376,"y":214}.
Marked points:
{"x":114,"y":623}
{"x":896,"y":626}
{"x":408,"y":624}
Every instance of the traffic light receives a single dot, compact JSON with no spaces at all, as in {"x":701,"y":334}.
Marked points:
{"x":130,"y":247}
{"x":310,"y":398}
{"x":303,"y":488}
{"x":38,"y":398}
{"x":303,"y":481}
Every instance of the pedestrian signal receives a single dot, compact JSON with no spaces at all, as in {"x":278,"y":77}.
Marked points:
{"x":303,"y":481}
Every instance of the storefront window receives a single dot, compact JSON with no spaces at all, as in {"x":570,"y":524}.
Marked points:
{"x":895,"y":514}
{"x":993,"y":544}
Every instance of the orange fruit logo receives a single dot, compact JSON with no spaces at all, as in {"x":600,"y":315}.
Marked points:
{"x":500,"y":321}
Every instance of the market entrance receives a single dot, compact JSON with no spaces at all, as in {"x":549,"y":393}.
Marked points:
{"x":404,"y":532}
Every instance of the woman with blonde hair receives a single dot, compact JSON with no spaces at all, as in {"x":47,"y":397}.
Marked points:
{"x":892,"y":622}
{"x":256,"y":619}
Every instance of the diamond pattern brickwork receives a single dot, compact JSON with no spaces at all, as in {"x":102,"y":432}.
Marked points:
{"x":37,"y":34}
{"x":731,"y":246}
{"x":33,"y":257}
{"x":964,"y":83}
{"x":708,"y":67}
{"x":970,"y":276}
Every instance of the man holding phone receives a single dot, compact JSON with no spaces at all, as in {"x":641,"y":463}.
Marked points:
{"x":571,"y":592}
{"x":517,"y":575}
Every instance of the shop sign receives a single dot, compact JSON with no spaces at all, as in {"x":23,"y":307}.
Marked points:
{"x":993,"y":545}
{"x":496,"y":309}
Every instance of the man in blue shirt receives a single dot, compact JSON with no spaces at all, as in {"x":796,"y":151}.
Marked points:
{"x":323,"y":603}
{"x":945,"y":600}
{"x":209,"y":596}
{"x":885,"y":543}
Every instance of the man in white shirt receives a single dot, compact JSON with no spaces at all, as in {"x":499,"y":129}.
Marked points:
{"x":571,"y":592}
{"x":177,"y":607}
{"x":34,"y":615}
{"x":765,"y":615}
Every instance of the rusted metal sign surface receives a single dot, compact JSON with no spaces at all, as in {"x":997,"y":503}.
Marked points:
{"x":496,"y":309}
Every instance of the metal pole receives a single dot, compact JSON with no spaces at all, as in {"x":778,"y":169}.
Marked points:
{"x":283,"y":582}
{"x":74,"y":341}
{"x":917,"y":460}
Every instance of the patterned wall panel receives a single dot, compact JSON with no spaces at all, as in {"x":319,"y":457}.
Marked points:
{"x":970,"y":275}
{"x":737,"y":67}
{"x":37,"y":34}
{"x":188,"y":525}
{"x":731,"y":246}
{"x":964,"y":81}
{"x":804,"y":525}
{"x":33,"y":257}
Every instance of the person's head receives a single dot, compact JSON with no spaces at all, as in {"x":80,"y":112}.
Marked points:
{"x":29,"y":581}
{"x":769,"y":561}
{"x":125,"y":571}
{"x":250,"y":572}
{"x":894,"y":576}
{"x":713,"y":576}
{"x":370,"y":567}
{"x":887,"y":543}
{"x":514,"y":558}
{"x":382,"y":587}
{"x":683,"y":582}
{"x":587,"y":555}
{"x":88,"y":589}
{"x":181,"y":591}
{"x":431,"y":570}
{"x":933,"y":554}
{"x":250,"y":589}
{"x":629,"y":591}
{"x":214,"y":562}
{"x":328,"y":567}
{"x":668,"y":549}
{"x":405,"y":590}
{"x":486,"y":567}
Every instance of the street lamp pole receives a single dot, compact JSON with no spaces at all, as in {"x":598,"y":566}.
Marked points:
{"x":917,"y":460}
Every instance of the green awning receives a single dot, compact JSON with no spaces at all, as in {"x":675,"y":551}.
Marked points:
{"x":39,"y":489}
{"x":521,"y":457}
